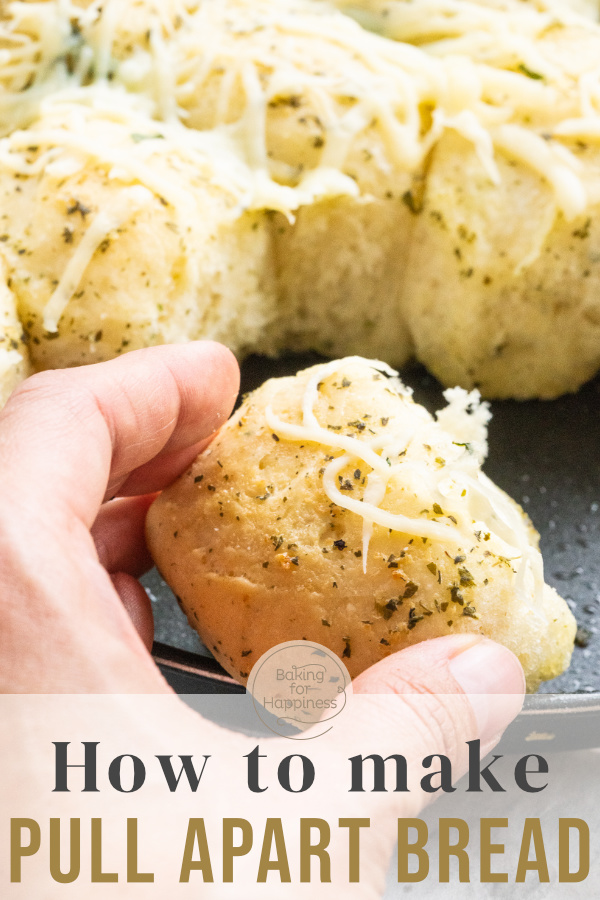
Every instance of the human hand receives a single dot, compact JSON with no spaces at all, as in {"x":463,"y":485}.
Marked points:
{"x":69,"y":441}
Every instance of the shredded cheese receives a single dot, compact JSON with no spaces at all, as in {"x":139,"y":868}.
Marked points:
{"x":479,"y":68}
{"x":476,"y":502}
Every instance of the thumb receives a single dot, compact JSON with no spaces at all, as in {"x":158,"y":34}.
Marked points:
{"x":476,"y":688}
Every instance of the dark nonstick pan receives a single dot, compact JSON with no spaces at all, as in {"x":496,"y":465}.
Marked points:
{"x":544,"y":454}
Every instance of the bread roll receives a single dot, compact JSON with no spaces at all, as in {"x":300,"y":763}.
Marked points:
{"x":118,"y":237}
{"x":333,"y":508}
{"x":512,"y":305}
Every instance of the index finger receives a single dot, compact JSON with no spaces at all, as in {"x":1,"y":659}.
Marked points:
{"x":66,"y":436}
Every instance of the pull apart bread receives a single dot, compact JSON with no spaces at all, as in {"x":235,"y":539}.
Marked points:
{"x":414,"y":179}
{"x":334,"y":508}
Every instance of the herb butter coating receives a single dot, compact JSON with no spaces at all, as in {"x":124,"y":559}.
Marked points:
{"x":332,"y":507}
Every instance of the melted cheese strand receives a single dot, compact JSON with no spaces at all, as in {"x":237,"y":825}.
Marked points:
{"x":164,"y":77}
{"x":529,"y":148}
{"x":374,"y":514}
{"x":317,"y":435}
{"x":374,"y":493}
{"x":467,"y":125}
{"x":311,"y":393}
{"x":127,"y":204}
{"x":588,"y":129}
{"x":494,"y":511}
{"x":16,"y":164}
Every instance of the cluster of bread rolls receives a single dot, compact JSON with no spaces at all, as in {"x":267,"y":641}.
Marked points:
{"x":409,"y":180}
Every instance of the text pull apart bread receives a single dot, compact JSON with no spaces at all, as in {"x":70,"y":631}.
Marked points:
{"x":334,"y":508}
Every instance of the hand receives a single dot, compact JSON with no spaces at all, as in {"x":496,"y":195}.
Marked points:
{"x":75,"y":620}
{"x":69,"y":441}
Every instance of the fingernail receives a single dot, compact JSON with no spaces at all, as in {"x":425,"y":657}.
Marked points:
{"x":493,"y":679}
